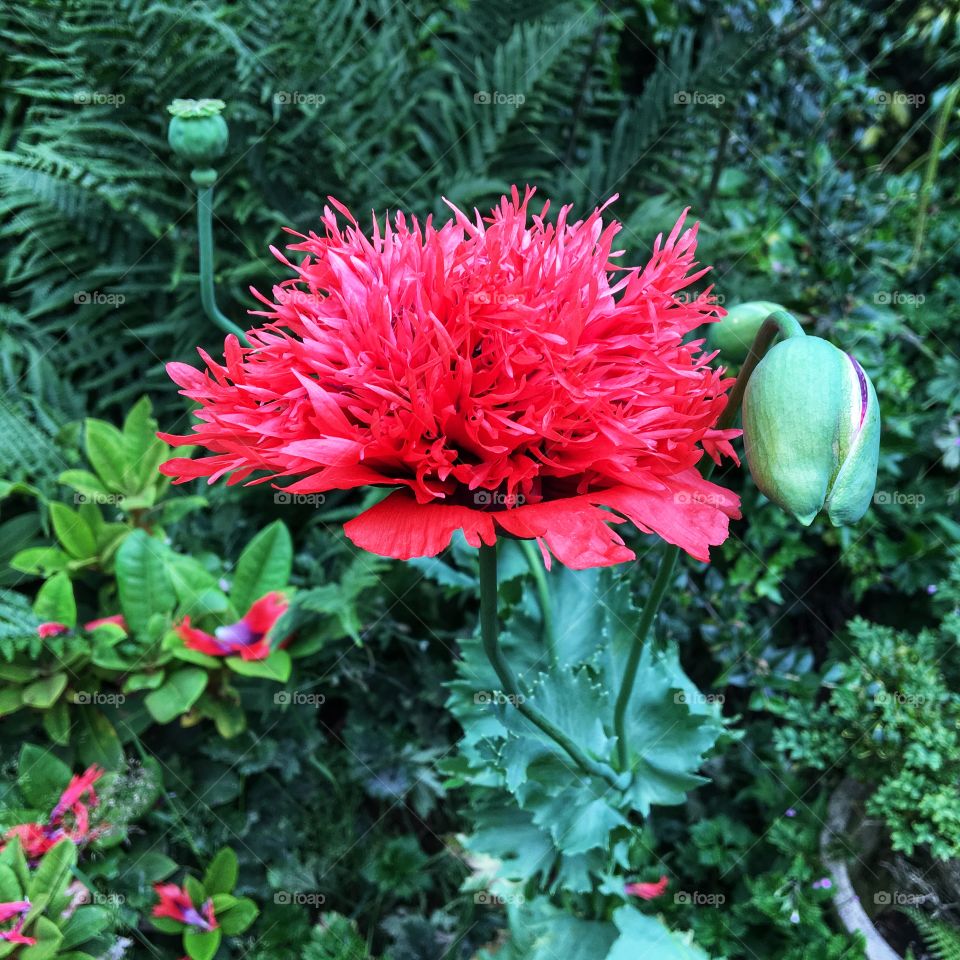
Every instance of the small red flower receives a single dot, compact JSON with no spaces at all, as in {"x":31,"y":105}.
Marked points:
{"x":647,"y":891}
{"x":51,"y":629}
{"x":15,"y":908}
{"x":80,"y":786}
{"x":35,"y":839}
{"x":504,"y":376}
{"x":176,"y":904}
{"x":248,"y":638}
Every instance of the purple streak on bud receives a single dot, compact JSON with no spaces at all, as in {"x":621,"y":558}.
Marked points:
{"x":862,"y":378}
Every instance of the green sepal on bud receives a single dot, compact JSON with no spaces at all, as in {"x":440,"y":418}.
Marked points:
{"x":734,"y":334}
{"x":197,"y":130}
{"x":811,"y":430}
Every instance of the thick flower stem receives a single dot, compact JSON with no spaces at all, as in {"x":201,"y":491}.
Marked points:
{"x":207,"y":295}
{"x":539,"y":574}
{"x":778,"y":323}
{"x":489,"y":632}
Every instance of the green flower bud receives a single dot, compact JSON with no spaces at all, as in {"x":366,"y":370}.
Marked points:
{"x":197,"y":131}
{"x":734,"y":334}
{"x":811,"y":430}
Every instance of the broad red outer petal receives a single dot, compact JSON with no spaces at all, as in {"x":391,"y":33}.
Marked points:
{"x":578,"y":533}
{"x":692,"y":513}
{"x":401,"y":528}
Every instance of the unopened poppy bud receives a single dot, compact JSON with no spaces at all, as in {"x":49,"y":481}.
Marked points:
{"x":811,"y":430}
{"x":197,"y":130}
{"x":734,"y":334}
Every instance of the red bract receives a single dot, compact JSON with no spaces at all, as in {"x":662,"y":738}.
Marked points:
{"x":248,"y":638}
{"x":504,"y":374}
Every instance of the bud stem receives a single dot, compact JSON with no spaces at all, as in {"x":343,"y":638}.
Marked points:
{"x":779,"y":322}
{"x":489,"y":632}
{"x":205,"y":233}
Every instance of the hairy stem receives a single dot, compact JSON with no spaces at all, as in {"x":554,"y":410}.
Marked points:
{"x":489,"y":632}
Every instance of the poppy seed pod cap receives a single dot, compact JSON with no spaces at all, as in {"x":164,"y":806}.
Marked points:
{"x":197,"y":130}
{"x":811,"y":430}
{"x":734,"y":334}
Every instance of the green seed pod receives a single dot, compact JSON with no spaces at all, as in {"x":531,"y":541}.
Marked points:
{"x":734,"y":334}
{"x":197,"y":130}
{"x":811,"y":430}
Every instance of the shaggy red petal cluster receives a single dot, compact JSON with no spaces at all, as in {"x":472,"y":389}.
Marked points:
{"x":504,"y":373}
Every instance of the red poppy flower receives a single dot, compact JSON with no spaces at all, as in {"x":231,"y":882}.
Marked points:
{"x":647,"y":891}
{"x":248,"y":638}
{"x":176,"y":904}
{"x":504,"y":374}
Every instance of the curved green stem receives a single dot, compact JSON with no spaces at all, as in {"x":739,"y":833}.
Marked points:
{"x":207,"y":295}
{"x":539,"y":574}
{"x":778,"y":323}
{"x":489,"y":632}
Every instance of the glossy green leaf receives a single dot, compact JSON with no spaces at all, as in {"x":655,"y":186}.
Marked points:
{"x":264,"y":565}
